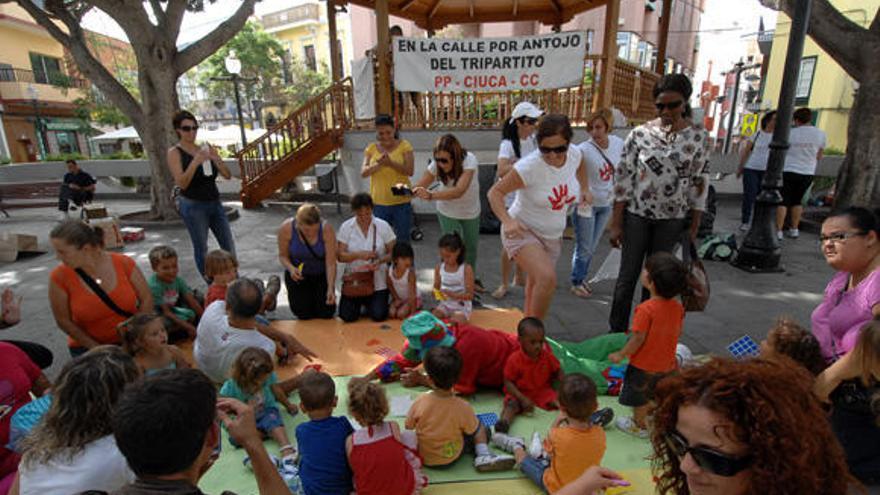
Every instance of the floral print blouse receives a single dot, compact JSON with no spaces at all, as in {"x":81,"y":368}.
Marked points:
{"x":663,"y":176}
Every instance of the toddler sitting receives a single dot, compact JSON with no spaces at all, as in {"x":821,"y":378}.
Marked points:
{"x":171,"y":295}
{"x":789,"y":339}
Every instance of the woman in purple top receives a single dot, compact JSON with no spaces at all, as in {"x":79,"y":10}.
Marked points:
{"x":307,"y":251}
{"x":851,"y":245}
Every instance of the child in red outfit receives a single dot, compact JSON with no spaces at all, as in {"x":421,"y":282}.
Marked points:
{"x":222,"y":268}
{"x":529,"y":374}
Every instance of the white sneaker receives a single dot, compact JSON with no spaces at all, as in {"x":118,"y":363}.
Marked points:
{"x":494,"y":462}
{"x":779,"y":235}
{"x":288,"y":469}
{"x":744,"y":227}
{"x":627,"y":425}
{"x":536,"y":448}
{"x":794,"y":233}
{"x":507,"y":443}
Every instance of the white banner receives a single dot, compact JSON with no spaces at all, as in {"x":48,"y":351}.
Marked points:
{"x":489,"y":64}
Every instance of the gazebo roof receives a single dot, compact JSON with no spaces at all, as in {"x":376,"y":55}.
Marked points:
{"x":435,"y":14}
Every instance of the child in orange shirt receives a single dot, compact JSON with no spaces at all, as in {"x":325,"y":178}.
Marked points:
{"x":574,"y":443}
{"x":529,"y":374}
{"x":653,"y":337}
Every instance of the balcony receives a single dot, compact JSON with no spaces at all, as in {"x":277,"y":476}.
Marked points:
{"x":50,"y":86}
{"x":300,"y":14}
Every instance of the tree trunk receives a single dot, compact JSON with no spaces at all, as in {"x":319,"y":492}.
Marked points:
{"x":159,"y":95}
{"x":858,"y":181}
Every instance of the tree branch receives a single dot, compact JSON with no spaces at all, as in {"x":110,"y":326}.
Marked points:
{"x":842,"y":38}
{"x":161,"y":18}
{"x":174,"y":14}
{"x":87,"y":63}
{"x":203,"y":48}
{"x":875,"y":25}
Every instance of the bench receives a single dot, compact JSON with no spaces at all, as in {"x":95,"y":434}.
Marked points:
{"x":28,"y":195}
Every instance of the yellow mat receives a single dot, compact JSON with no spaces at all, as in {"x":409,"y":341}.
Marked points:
{"x":640,"y":479}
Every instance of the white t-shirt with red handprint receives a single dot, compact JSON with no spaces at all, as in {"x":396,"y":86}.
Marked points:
{"x":599,"y":171}
{"x":543,"y":203}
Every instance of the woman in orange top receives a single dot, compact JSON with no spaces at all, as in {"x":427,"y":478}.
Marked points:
{"x":79,"y":312}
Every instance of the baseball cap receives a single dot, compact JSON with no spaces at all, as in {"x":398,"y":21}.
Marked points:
{"x":525,"y":109}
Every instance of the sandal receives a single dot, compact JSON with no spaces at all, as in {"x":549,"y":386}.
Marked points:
{"x":583,"y":290}
{"x":500,"y":292}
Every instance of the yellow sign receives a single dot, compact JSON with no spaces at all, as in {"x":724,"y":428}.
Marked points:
{"x":749,"y":125}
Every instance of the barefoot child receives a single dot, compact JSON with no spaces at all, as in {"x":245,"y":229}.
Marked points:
{"x":574,"y":443}
{"x":402,"y":282}
{"x":787,"y":338}
{"x":529,"y":374}
{"x":383,"y":461}
{"x":446,"y":425}
{"x":146,"y":340}
{"x":252,"y":382}
{"x":172,"y":296}
{"x":453,"y":281}
{"x":654,"y":335}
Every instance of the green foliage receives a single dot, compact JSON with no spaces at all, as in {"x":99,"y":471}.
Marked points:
{"x":119,"y":155}
{"x":832,"y":151}
{"x":128,"y":181}
{"x":5,"y":161}
{"x":97,"y":109}
{"x":260,"y":55}
{"x":60,"y":157}
{"x":304,"y":83}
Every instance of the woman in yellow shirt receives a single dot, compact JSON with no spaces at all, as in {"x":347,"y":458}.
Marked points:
{"x":388,"y":162}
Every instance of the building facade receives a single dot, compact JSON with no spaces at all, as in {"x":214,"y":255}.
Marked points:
{"x":822,"y":85}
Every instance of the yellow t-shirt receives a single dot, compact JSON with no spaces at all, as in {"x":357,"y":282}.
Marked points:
{"x":572,"y":451}
{"x":440,"y":423}
{"x":385,"y":177}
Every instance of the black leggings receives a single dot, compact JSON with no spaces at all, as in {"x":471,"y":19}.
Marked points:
{"x":40,"y":355}
{"x":308,"y":297}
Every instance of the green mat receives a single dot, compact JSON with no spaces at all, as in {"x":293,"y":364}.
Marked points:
{"x":623,"y":451}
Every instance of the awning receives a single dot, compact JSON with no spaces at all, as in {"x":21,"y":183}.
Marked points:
{"x":124,"y":133}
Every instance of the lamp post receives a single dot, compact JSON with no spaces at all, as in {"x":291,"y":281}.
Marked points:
{"x":760,"y":251}
{"x":34,"y":93}
{"x":233,"y":67}
{"x":738,"y":69}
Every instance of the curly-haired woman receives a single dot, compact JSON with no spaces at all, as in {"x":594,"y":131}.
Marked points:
{"x":737,"y":428}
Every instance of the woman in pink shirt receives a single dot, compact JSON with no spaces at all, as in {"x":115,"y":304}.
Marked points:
{"x":851,"y":244}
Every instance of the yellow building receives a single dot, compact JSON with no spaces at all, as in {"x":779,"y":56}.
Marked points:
{"x":822,"y":84}
{"x":36,"y":92}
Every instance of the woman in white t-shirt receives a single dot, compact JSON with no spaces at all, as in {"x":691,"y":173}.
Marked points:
{"x":601,"y":154}
{"x":517,"y":141}
{"x":364,"y":243}
{"x":458,"y":196}
{"x":547,"y":183}
{"x":807,"y":145}
{"x":752,"y":165}
{"x":72,"y":449}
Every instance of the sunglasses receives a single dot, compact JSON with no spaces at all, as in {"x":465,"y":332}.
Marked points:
{"x":442,"y":160}
{"x":839,"y":237}
{"x":709,"y":460}
{"x":528,"y":120}
{"x":671,"y":105}
{"x":188,"y":128}
{"x":545,"y":150}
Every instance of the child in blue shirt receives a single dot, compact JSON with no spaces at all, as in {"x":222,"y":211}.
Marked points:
{"x":323,"y":465}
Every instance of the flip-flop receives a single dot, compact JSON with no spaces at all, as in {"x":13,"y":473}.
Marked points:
{"x":500,"y":292}
{"x":583,"y":291}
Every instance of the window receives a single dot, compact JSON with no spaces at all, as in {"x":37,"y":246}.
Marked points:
{"x":645,"y":53}
{"x":6,"y":72}
{"x":805,"y":81}
{"x":46,"y":69}
{"x":623,"y":40}
{"x":590,"y":35}
{"x":67,"y":142}
{"x":311,"y":62}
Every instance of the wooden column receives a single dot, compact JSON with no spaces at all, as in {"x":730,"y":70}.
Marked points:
{"x":382,"y":50}
{"x":665,"y":18}
{"x":335,"y":69}
{"x":609,"y":54}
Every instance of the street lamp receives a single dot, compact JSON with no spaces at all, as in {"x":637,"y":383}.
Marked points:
{"x":760,"y":249}
{"x":738,"y":69}
{"x":233,"y":67}
{"x":34,"y":93}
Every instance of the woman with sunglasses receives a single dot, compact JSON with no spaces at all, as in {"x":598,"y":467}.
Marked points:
{"x":458,"y":196}
{"x":850,"y":241}
{"x":517,"y":141}
{"x":389,"y":162}
{"x":195,"y":171}
{"x":660,"y":188}
{"x":741,"y":428}
{"x":547,"y":183}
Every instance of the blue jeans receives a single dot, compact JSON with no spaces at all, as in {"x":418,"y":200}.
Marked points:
{"x":400,"y":218}
{"x":751,"y":187}
{"x":588,"y":232}
{"x":199,"y":216}
{"x":534,"y":470}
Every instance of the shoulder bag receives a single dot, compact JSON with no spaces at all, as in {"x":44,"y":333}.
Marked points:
{"x":99,"y":291}
{"x":696,"y":296}
{"x":357,"y":284}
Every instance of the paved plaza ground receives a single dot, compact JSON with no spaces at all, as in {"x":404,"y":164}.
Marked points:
{"x":741,"y":303}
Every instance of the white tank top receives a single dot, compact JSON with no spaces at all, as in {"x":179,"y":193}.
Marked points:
{"x":452,"y":281}
{"x":401,"y":285}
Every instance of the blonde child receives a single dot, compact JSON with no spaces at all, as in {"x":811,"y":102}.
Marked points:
{"x":529,"y":374}
{"x":788,"y":338}
{"x":146,"y":340}
{"x":253,"y":382}
{"x":405,"y":299}
{"x":446,"y":425}
{"x":453,"y":281}
{"x":653,"y":338}
{"x":171,"y":294}
{"x":221,"y":268}
{"x":574,"y":443}
{"x":383,"y":460}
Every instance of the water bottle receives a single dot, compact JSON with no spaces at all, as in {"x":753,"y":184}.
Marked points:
{"x":207,"y":166}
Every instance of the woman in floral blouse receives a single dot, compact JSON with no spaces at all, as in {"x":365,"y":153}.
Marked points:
{"x":660,"y":183}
